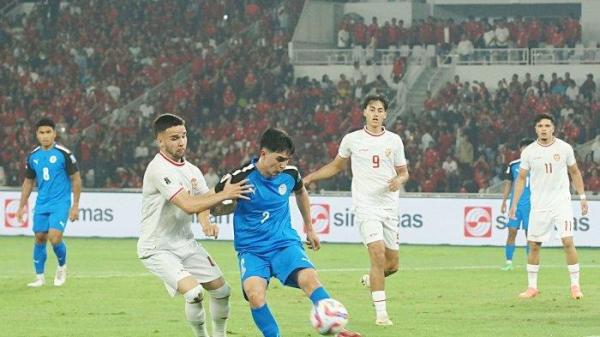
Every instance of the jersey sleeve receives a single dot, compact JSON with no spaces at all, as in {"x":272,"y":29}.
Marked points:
{"x":71,"y":163}
{"x":570,"y":156}
{"x":166,"y":182}
{"x":345,"y":150}
{"x":399,"y":156}
{"x":29,"y":172}
{"x":506,"y":174}
{"x":235,"y":175}
{"x":295,"y":174}
{"x":525,"y":160}
{"x":202,"y":186}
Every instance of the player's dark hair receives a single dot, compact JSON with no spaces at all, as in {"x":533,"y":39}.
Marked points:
{"x":277,"y":140}
{"x":372,"y":98}
{"x":525,"y":141}
{"x":45,"y":122}
{"x":539,"y":117}
{"x":165,"y":121}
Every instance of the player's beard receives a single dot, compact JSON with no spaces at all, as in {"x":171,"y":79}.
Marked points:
{"x":177,"y":153}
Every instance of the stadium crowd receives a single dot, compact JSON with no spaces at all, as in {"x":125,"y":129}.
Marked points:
{"x":460,"y":143}
{"x":471,"y":33}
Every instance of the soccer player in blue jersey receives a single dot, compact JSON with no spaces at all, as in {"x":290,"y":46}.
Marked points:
{"x":264,"y":239}
{"x":54,"y":169}
{"x":523,"y":207}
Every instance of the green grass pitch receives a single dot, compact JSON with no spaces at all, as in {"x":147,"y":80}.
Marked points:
{"x":439,"y":291}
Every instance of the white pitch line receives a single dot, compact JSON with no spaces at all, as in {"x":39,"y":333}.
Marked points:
{"x":101,"y":275}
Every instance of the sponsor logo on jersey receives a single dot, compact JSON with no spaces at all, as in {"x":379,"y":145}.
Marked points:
{"x":35,"y":161}
{"x":319,"y":214}
{"x":478,"y":222}
{"x":282,"y":189}
{"x":167,"y":180}
{"x":52,"y":159}
{"x":11,"y":206}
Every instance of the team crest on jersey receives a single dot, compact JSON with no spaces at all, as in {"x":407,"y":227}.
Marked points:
{"x":194,"y":182}
{"x":52,"y":159}
{"x":556,"y":156}
{"x":282,"y":189}
{"x":388,"y":152}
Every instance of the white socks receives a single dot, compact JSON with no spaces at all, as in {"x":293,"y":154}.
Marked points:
{"x":574,"y":273}
{"x":219,"y":309}
{"x":379,"y":301}
{"x":532,"y":274}
{"x":194,"y":312}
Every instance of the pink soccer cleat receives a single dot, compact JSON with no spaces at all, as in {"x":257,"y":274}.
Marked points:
{"x":576,"y":292}
{"x":529,"y":293}
{"x":348,"y":333}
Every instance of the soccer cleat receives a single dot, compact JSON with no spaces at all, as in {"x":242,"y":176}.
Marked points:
{"x":529,"y":293}
{"x":365,"y":280}
{"x":383,"y":320}
{"x":348,"y":333}
{"x":507,"y":267}
{"x":576,"y":292}
{"x":39,"y":281}
{"x":61,"y":276}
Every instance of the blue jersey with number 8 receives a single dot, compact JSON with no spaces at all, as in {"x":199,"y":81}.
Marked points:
{"x":51,"y":169}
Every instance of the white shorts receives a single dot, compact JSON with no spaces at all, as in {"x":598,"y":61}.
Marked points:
{"x":380,"y":227}
{"x":173,"y":265}
{"x":543,"y":222}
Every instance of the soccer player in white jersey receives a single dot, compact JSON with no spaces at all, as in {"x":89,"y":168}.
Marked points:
{"x":549,"y":161}
{"x":173,"y":190}
{"x":379,"y":171}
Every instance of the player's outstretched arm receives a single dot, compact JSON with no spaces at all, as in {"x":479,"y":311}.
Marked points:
{"x":519,"y":186}
{"x":303,"y":202}
{"x":334,"y":167}
{"x":192,"y":204}
{"x":579,"y":187}
{"x":76,"y":189}
{"x":25,"y":193}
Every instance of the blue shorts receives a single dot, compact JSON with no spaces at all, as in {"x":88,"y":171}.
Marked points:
{"x":54,"y":219}
{"x":280,"y":263}
{"x":522,"y":219}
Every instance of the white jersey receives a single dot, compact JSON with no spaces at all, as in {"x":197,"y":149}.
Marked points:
{"x":548,"y":173}
{"x":164,"y":225}
{"x":374,"y":161}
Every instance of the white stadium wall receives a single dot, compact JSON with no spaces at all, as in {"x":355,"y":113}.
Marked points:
{"x":492,"y":74}
{"x":590,"y":12}
{"x":453,"y":221}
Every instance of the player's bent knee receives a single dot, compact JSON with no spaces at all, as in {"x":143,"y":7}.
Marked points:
{"x":255,"y":298}
{"x":194,"y":295}
{"x":223,"y":292}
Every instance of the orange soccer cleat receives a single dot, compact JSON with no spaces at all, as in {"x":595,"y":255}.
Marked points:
{"x":348,"y":333}
{"x":576,"y":292}
{"x":529,"y":293}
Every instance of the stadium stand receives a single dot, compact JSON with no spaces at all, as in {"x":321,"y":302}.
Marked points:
{"x":459,"y":144}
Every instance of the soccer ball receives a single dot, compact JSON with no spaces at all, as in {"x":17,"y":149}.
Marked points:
{"x":329,"y":317}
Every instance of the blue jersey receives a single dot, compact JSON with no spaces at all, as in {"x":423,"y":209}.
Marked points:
{"x":512,"y":173}
{"x":51,"y":169}
{"x":263,"y":223}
